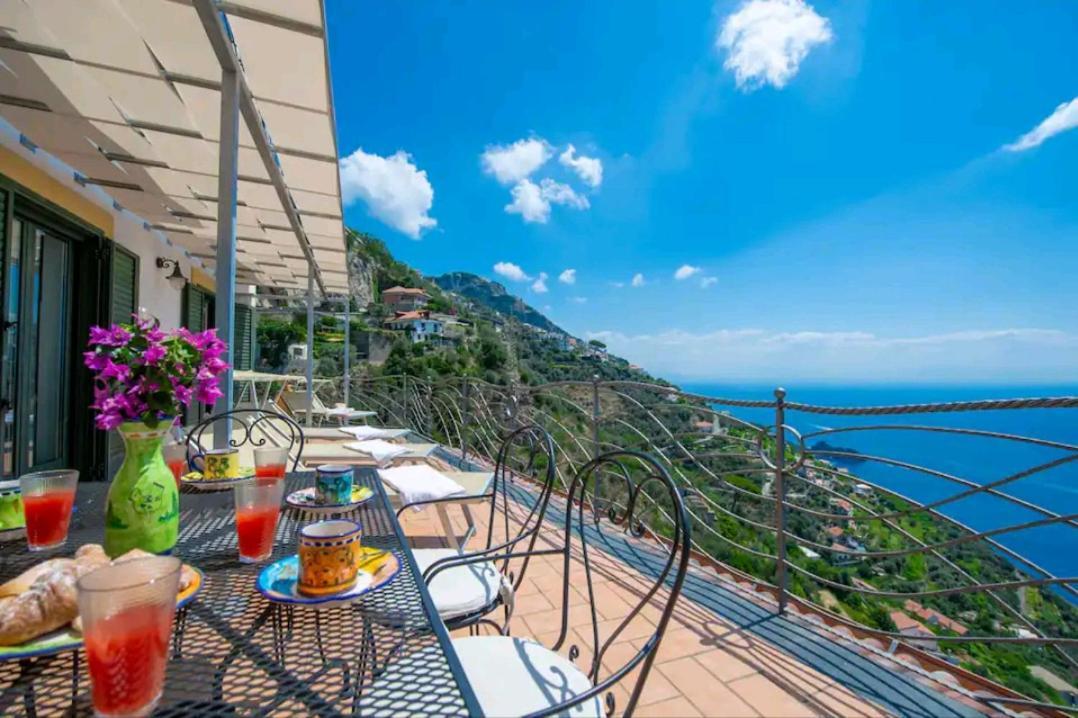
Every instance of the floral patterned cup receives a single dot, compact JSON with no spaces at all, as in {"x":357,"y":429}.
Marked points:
{"x":333,"y":485}
{"x":221,"y":464}
{"x":329,"y":553}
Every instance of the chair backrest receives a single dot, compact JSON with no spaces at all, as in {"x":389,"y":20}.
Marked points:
{"x":260,"y":427}
{"x":618,"y":493}
{"x":526,"y":456}
{"x":296,"y":401}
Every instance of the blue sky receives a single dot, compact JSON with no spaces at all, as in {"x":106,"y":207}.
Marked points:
{"x":853,"y":191}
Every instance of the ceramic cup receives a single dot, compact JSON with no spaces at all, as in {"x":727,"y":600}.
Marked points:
{"x":329,"y":553}
{"x":333,"y":485}
{"x":222,"y":464}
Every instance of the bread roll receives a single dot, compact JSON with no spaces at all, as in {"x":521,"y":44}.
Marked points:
{"x":51,"y":600}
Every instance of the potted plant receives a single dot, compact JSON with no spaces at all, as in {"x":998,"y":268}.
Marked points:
{"x":144,"y":378}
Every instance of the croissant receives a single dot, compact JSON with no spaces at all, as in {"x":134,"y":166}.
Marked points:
{"x":51,"y":600}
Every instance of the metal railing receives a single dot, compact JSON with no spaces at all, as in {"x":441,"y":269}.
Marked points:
{"x":825,"y":529}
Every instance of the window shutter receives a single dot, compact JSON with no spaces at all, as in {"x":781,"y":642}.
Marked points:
{"x":242,"y":341}
{"x":124,"y":285}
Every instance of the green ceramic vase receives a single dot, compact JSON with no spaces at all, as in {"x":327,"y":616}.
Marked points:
{"x":143,"y":507}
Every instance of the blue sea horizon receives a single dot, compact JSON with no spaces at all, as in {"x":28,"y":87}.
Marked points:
{"x":1054,"y":547}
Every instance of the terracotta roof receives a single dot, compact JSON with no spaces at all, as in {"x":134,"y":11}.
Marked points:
{"x":408,"y":317}
{"x":404,"y":290}
{"x":835,"y":531}
{"x":932,"y":615}
{"x":905,"y":623}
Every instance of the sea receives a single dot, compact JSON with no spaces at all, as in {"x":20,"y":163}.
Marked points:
{"x":1053,"y":547}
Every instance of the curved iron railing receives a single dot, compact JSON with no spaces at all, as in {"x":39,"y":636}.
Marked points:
{"x":828,"y":529}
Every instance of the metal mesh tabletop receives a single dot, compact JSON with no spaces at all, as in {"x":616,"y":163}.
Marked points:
{"x":235,"y":653}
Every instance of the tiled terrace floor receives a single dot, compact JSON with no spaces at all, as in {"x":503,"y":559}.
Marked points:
{"x":706,"y":665}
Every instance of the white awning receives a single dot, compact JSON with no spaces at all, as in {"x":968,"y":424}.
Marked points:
{"x":126,"y":92}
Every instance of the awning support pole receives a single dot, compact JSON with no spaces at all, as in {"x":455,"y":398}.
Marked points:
{"x":347,"y":346}
{"x":225,"y":301}
{"x":310,"y":343}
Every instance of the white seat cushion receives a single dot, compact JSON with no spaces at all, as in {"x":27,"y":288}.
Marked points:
{"x":460,"y":590}
{"x":516,"y":676}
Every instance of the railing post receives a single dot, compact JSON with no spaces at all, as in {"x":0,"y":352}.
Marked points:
{"x":780,"y":495}
{"x":405,"y":401}
{"x":465,"y":419}
{"x":596,"y":411}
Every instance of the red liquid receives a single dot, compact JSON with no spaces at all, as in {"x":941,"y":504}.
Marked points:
{"x":255,"y":527}
{"x":47,"y":516}
{"x":127,"y":653}
{"x":177,"y":467}
{"x":270,"y":471}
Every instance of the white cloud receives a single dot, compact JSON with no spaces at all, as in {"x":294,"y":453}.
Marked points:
{"x":761,"y":355}
{"x":539,"y":285}
{"x":511,"y":271}
{"x":395,"y":190}
{"x":558,"y":193}
{"x":766,"y":40}
{"x":510,"y":164}
{"x":528,"y":202}
{"x":567,"y":277}
{"x":706,"y":282}
{"x":588,"y":169}
{"x":617,"y":285}
{"x":685,"y":271}
{"x":532,"y":201}
{"x":1065,"y":117}
{"x":638,"y":280}
{"x":579,"y":300}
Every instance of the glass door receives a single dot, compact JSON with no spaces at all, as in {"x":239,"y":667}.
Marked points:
{"x":34,"y":382}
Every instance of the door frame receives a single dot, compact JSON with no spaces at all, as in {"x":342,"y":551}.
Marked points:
{"x":89,"y":279}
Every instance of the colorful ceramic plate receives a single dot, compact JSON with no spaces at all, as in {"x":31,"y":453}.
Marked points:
{"x":278,"y":583}
{"x":67,"y":638}
{"x":195,"y":481}
{"x":304,"y":501}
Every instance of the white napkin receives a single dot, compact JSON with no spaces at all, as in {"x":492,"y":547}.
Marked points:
{"x":367,"y":432}
{"x":381,"y":451}
{"x":419,"y":483}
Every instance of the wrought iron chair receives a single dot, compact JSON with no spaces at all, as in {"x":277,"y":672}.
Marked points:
{"x":519,"y":677}
{"x":466,"y":594}
{"x":260,"y":427}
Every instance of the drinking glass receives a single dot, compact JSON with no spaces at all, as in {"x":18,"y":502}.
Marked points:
{"x":127,"y":612}
{"x":47,"y":498}
{"x":258,"y":505}
{"x":270,"y":462}
{"x":176,"y":458}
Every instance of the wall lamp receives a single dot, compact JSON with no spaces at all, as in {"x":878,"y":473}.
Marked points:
{"x":175,"y":278}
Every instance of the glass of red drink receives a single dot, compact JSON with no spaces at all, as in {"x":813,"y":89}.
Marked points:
{"x":258,"y":504}
{"x":270,"y":462}
{"x":47,"y":498}
{"x":127,"y":612}
{"x":176,"y":458}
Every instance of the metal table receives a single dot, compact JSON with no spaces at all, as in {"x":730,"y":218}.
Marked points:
{"x":237,"y":654}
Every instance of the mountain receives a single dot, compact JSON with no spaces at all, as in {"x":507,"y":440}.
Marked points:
{"x":494,"y":296}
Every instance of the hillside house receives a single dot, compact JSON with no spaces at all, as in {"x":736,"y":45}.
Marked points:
{"x":910,"y":627}
{"x":934,"y":617}
{"x":404,"y":299}
{"x":420,"y":326}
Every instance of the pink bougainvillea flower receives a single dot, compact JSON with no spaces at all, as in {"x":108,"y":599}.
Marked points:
{"x":154,"y":353}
